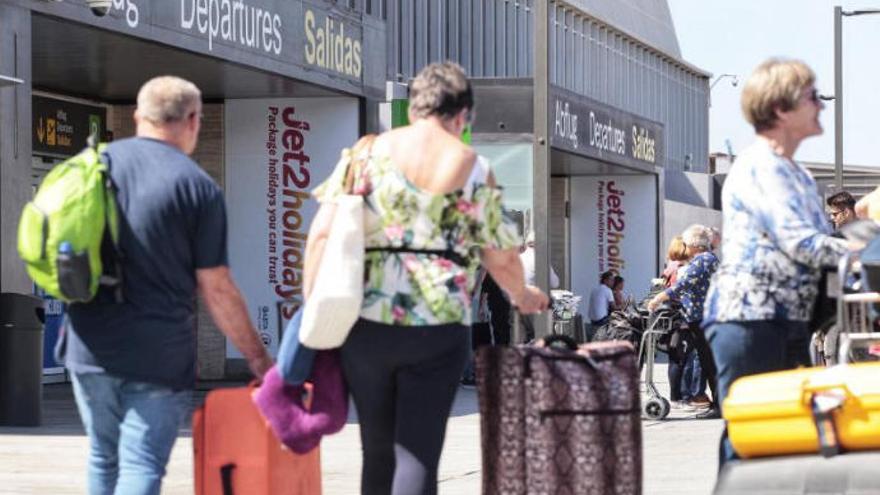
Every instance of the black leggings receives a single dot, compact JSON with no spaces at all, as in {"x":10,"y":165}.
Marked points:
{"x":707,"y":360}
{"x":403,"y":381}
{"x":697,"y":339}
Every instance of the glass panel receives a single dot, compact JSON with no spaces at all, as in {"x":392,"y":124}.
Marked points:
{"x":512,"y":165}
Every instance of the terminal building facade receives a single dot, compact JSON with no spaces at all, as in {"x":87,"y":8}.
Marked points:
{"x":617,"y":132}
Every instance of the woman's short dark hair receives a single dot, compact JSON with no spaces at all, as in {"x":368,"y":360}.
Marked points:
{"x":440,"y":89}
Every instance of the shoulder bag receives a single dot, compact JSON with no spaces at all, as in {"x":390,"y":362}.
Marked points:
{"x":334,"y":304}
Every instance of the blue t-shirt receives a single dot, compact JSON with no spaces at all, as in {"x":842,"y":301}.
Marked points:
{"x":172,"y":222}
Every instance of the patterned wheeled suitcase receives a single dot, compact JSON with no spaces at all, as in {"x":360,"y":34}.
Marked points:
{"x":560,"y":421}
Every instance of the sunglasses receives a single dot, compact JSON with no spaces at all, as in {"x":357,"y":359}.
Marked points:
{"x":814,"y":96}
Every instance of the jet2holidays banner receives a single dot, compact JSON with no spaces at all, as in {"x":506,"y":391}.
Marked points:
{"x":277,"y":151}
{"x":613,"y":226}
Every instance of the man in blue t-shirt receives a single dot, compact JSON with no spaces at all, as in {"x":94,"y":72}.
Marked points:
{"x":133,"y":363}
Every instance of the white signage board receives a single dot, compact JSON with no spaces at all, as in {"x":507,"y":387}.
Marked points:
{"x":613,"y":226}
{"x":277,"y":151}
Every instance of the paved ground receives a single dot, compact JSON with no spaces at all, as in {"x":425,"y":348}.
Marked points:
{"x":679,"y":453}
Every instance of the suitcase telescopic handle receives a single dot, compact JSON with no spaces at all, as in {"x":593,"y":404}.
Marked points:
{"x":575,"y":358}
{"x":518,"y":335}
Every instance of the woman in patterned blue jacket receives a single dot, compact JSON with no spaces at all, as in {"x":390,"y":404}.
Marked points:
{"x":776,"y":234}
{"x":690,"y":290}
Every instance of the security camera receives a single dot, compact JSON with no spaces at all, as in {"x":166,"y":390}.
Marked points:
{"x":100,"y":7}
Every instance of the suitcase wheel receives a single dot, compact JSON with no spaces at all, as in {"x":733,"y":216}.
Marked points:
{"x":656,"y":408}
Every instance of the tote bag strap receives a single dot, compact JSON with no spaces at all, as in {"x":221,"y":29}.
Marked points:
{"x":360,"y":154}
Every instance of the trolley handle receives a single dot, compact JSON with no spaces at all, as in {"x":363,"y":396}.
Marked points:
{"x":664,"y":311}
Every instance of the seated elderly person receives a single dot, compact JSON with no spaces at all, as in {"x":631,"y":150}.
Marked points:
{"x":690,"y":290}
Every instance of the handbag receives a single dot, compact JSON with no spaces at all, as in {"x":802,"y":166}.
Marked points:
{"x":334,"y":304}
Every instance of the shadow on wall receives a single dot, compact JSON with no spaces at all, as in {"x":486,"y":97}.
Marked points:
{"x":679,"y":216}
{"x":692,"y":188}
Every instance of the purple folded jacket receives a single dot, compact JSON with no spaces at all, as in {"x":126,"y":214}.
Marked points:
{"x":283,"y":406}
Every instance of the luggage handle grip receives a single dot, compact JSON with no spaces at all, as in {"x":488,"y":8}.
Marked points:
{"x":810,"y":390}
{"x":226,"y":478}
{"x":577,"y":358}
{"x":567,"y":341}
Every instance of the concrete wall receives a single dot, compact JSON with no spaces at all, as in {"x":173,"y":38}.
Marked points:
{"x":15,"y":142}
{"x":693,"y":188}
{"x":607,"y":51}
{"x":679,"y":216}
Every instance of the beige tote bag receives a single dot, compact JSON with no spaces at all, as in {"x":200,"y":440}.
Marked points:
{"x":337,"y":295}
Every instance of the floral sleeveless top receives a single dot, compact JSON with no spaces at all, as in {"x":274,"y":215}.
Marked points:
{"x":414,"y":288}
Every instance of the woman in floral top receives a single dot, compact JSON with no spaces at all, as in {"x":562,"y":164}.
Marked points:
{"x":776,"y":235}
{"x":432,"y":215}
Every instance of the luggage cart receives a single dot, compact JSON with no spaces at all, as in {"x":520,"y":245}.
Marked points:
{"x":858,"y":339}
{"x":572,"y":327}
{"x":859,"y":347}
{"x":655,"y":325}
{"x":854,"y":331}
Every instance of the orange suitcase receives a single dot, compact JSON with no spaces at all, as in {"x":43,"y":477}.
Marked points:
{"x":237,"y":454}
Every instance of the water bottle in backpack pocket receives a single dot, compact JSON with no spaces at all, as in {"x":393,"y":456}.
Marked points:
{"x":74,"y":272}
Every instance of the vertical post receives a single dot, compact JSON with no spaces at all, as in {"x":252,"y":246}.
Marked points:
{"x":15,"y":140}
{"x":541,"y":162}
{"x":838,"y":100}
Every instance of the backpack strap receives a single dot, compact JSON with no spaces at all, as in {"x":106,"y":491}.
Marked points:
{"x":110,"y":278}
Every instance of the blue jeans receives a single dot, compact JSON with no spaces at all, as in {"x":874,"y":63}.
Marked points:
{"x":750,"y":347}
{"x":693,"y":382}
{"x":131,"y":428}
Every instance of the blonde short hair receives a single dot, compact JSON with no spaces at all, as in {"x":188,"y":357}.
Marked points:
{"x":676,"y":251}
{"x":775,"y":85}
{"x":167,"y":99}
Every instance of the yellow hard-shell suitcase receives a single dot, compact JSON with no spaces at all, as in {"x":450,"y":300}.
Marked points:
{"x":789,"y":412}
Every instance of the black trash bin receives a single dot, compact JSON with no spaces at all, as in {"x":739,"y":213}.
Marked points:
{"x":21,"y":359}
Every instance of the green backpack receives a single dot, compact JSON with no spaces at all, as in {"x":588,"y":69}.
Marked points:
{"x":62,"y":230}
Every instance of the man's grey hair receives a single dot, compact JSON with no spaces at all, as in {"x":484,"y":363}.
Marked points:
{"x":167,"y":99}
{"x":697,"y":236}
